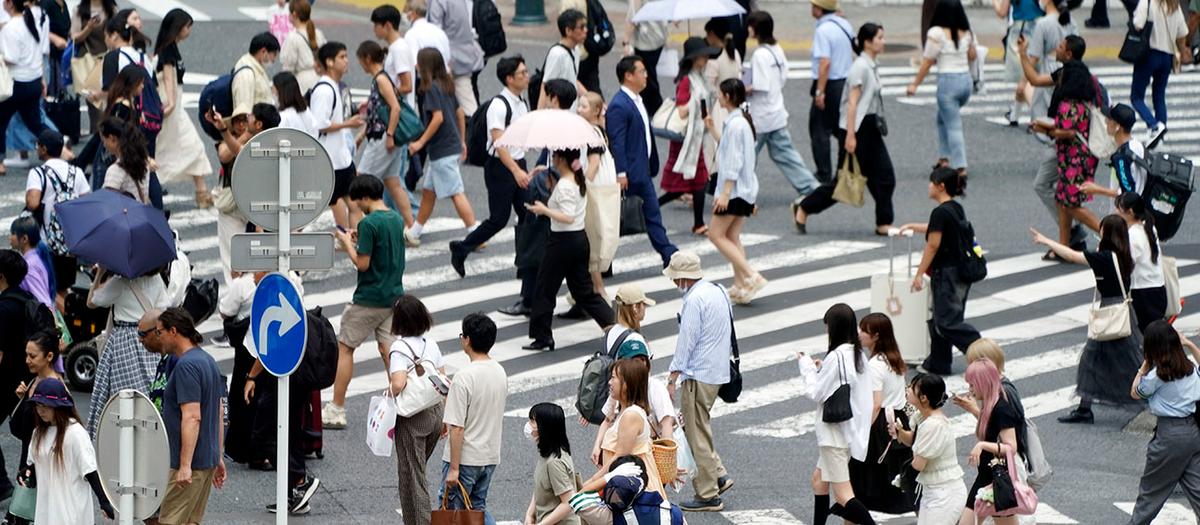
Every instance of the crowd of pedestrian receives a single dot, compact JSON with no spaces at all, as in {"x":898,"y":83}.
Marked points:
{"x":884,"y":441}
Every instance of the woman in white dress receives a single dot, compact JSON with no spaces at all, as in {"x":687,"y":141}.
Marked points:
{"x":603,"y":222}
{"x":187,"y":156}
{"x":299,"y":49}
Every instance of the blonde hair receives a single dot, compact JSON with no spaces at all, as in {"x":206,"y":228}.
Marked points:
{"x":984,"y":348}
{"x":627,"y":317}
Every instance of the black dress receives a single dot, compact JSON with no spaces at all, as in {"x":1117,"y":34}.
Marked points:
{"x":1107,"y":368}
{"x":872,"y":479}
{"x":1004,"y":415}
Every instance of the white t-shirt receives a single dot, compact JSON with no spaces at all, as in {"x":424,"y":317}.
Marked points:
{"x":423,"y":34}
{"x":561,"y":63}
{"x":884,"y":380}
{"x":768,"y":74}
{"x":400,"y":60}
{"x":64,"y":495}
{"x":64,"y":172}
{"x":290,"y":118}
{"x":1146,"y":274}
{"x":950,"y":58}
{"x":400,"y":355}
{"x":567,"y":198}
{"x":116,"y":178}
{"x":21,"y":51}
{"x":116,"y":292}
{"x":495,"y":119}
{"x":476,"y":403}
{"x":237,"y":298}
{"x":326,"y":109}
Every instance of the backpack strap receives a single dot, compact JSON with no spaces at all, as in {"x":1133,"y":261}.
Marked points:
{"x":612,"y":352}
{"x":507,"y":110}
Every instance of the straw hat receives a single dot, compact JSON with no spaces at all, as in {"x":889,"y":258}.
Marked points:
{"x":828,"y":5}
{"x":684,"y":265}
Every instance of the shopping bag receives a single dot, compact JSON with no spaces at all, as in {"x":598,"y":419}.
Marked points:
{"x":444,"y":516}
{"x":684,"y":460}
{"x":381,"y":424}
{"x":1171,"y":277}
{"x":851,"y":184}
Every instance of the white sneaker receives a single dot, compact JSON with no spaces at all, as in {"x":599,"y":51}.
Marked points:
{"x":333,"y":417}
{"x":1155,"y":135}
{"x":18,"y":162}
{"x":411,"y":241}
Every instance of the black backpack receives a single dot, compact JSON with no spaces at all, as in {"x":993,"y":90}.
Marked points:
{"x":217,"y":95}
{"x":601,"y":35}
{"x":489,"y":27}
{"x":535,"y":81}
{"x":318,"y":368}
{"x":478,"y":132}
{"x":1169,"y":185}
{"x":973,"y":266}
{"x":38,"y":318}
{"x":593,"y":384}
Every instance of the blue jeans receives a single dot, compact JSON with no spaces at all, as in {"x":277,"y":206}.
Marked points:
{"x":475,"y":480}
{"x":953,"y":92}
{"x":781,"y":150}
{"x":1157,"y":67}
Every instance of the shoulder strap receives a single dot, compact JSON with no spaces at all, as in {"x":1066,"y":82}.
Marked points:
{"x":336,"y":95}
{"x":507,"y":109}
{"x":612,"y":352}
{"x":1120,"y":278}
{"x":139,"y":294}
{"x":844,"y":32}
{"x":733,"y":345}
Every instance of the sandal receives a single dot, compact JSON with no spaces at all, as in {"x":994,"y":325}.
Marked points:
{"x":700,"y":230}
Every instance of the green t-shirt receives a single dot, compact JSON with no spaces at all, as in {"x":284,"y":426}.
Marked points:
{"x":381,"y":236}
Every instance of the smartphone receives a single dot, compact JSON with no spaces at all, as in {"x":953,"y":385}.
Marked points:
{"x":703,"y":109}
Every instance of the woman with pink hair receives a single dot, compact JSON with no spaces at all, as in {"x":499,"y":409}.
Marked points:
{"x":1000,"y":430}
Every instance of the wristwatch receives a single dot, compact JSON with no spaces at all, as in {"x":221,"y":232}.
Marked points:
{"x":251,"y":378}
{"x":819,"y":94}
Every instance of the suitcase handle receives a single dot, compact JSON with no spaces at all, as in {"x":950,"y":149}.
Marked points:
{"x":892,"y":234}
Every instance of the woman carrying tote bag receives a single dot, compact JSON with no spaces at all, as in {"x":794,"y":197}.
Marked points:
{"x":1105,"y":367}
{"x":417,"y":436}
{"x":603,"y":219}
{"x":826,"y":382}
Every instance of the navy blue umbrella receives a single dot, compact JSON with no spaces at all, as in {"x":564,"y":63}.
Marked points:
{"x":118,"y":233}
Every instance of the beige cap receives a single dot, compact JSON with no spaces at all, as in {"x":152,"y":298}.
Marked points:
{"x":828,"y":5}
{"x":631,"y":294}
{"x":684,"y":265}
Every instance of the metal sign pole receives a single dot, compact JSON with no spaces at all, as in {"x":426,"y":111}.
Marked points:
{"x":125,"y":406}
{"x":283,"y":397}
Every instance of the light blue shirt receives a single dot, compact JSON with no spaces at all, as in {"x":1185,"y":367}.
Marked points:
{"x":736,"y":158}
{"x":1171,"y":398}
{"x":702,"y":350}
{"x":832,"y":40}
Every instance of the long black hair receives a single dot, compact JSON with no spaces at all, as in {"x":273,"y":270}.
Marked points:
{"x":763,"y":25}
{"x":84,"y":11}
{"x":133,"y":157}
{"x":125,"y":86}
{"x":118,"y":24}
{"x":552,"y":429}
{"x":30,"y":24}
{"x":1136,"y":206}
{"x":1075,"y":82}
{"x":570,"y":156}
{"x":842,"y":328}
{"x":289,"y":92}
{"x":1114,"y":236}
{"x":172,"y":24}
{"x":949,"y":14}
{"x":736,"y":91}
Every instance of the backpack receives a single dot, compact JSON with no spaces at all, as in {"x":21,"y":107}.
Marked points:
{"x":973,"y":266}
{"x":593,"y":385}
{"x":1169,"y":186}
{"x":318,"y":368}
{"x":601,"y":35}
{"x":535,"y":81}
{"x":308,"y":99}
{"x":38,"y":318}
{"x":489,"y":27}
{"x":478,"y":132}
{"x":218,"y":95}
{"x":64,"y":191}
{"x":149,"y":103}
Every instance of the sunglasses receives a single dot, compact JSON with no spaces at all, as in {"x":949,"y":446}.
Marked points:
{"x":143,"y":333}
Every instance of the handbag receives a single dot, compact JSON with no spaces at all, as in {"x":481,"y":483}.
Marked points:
{"x":81,"y":73}
{"x":730,"y":391}
{"x":1039,"y":469}
{"x":1137,"y":42}
{"x":1108,"y":323}
{"x":633,"y":221}
{"x":1010,"y":495}
{"x":851,"y":183}
{"x":426,"y":386}
{"x":1171,"y":278}
{"x":6,"y":82}
{"x":445,"y":516}
{"x":836,"y":408}
{"x":223,"y":200}
{"x":667,"y":123}
{"x":381,"y":424}
{"x":24,"y":497}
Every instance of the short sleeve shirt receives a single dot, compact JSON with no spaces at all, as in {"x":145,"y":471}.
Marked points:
{"x":381,"y":237}
{"x":196,"y":379}
{"x":552,"y":477}
{"x":476,"y":404}
{"x":400,"y":60}
{"x":864,"y":76}
{"x":946,"y":219}
{"x":117,"y":178}
{"x":400,"y":355}
{"x":326,"y":109}
{"x":69,"y":176}
{"x":19,"y":46}
{"x":498,"y":117}
{"x":935,"y":443}
{"x":1004,"y":415}
{"x":832,"y":41}
{"x":889,"y":383}
{"x":768,"y":74}
{"x":566,"y":198}
{"x":1101,"y":263}
{"x":170,"y":56}
{"x":561,"y":63}
{"x":1171,"y":398}
{"x":446,"y":141}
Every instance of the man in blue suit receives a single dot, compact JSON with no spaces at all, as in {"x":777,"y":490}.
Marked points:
{"x":634,"y":151}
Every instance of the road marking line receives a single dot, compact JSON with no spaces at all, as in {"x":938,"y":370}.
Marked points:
{"x":160,"y":8}
{"x":761,"y":517}
{"x":1173,"y":513}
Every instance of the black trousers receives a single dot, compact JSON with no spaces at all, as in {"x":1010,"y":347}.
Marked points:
{"x":27,"y":101}
{"x":566,"y":258}
{"x":1150,"y":304}
{"x":1100,"y":11}
{"x":651,"y":96}
{"x":266,"y":404}
{"x":697,"y":203}
{"x":947,"y":327}
{"x":822,"y":124}
{"x":589,"y":74}
{"x":876,"y":165}
{"x":504,"y":196}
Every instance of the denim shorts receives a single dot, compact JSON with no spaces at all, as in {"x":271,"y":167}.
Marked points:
{"x":443,"y":177}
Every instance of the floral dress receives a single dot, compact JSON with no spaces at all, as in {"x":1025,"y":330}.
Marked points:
{"x":1075,"y":164}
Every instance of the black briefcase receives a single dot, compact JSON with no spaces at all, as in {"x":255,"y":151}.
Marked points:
{"x":633,"y":221}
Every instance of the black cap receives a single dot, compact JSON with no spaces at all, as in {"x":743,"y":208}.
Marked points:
{"x":1123,"y":115}
{"x":695,"y":47}
{"x":51,"y":140}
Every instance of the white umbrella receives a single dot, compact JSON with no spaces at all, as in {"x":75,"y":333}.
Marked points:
{"x":679,"y":10}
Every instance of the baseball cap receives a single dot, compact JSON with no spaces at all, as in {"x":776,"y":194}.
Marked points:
{"x":621,"y":491}
{"x":1123,"y":115}
{"x":632,"y":348}
{"x":631,"y":294}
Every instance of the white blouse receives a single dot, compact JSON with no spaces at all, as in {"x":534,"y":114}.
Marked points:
{"x":566,"y":198}
{"x":950,"y":58}
{"x":836,"y":369}
{"x":889,"y":383}
{"x":1146,"y":273}
{"x":117,"y":293}
{"x":935,"y":443}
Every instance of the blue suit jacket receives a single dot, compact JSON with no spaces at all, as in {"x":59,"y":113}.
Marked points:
{"x":627,"y":139}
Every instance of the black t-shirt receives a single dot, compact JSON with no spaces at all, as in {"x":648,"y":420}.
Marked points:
{"x":1106,"y":274}
{"x":946,"y":218}
{"x":1004,"y":415}
{"x":170,"y":56}
{"x":12,"y":337}
{"x":59,"y":17}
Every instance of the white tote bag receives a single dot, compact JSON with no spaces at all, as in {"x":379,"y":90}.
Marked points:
{"x":381,"y":424}
{"x":1109,"y":323}
{"x":426,"y":387}
{"x":1171,"y":277}
{"x":6,"y":82}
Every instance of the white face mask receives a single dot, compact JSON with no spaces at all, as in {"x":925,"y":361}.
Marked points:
{"x":528,"y":431}
{"x":682,"y":288}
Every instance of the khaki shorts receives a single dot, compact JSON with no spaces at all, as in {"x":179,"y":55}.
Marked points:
{"x":184,"y":505}
{"x":834,"y":463}
{"x":359,"y":321}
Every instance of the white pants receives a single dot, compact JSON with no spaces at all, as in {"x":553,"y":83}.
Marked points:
{"x":942,"y":504}
{"x":465,"y":95}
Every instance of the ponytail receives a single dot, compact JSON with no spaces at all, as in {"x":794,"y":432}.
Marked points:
{"x":133,"y":157}
{"x":311,"y":29}
{"x":30,"y":23}
{"x":1064,"y":13}
{"x":303,"y":11}
{"x":953,"y":180}
{"x":735,"y":90}
{"x":1136,"y":206}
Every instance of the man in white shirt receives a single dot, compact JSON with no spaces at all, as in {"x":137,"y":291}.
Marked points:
{"x":832,"y":54}
{"x":328,"y":114}
{"x":423,"y":34}
{"x":562,"y":61}
{"x":46,"y":185}
{"x":399,"y":61}
{"x":454,"y":18}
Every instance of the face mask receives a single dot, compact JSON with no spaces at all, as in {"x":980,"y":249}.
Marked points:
{"x":681,"y":288}
{"x":528,"y":431}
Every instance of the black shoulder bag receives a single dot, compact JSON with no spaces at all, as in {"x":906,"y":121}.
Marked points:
{"x":837,"y":407}
{"x":730,"y":391}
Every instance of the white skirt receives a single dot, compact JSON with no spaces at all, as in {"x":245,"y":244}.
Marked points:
{"x":181,"y":154}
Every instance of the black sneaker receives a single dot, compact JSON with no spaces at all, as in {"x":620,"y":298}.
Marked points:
{"x":703,"y":505}
{"x":1078,"y":416}
{"x":296,"y":511}
{"x":1093,"y":24}
{"x":303,"y":492}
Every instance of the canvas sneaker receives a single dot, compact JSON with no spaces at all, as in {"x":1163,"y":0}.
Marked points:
{"x":302,"y":493}
{"x":333,"y":417}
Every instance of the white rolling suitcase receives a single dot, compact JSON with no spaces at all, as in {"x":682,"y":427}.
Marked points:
{"x":892,"y":295}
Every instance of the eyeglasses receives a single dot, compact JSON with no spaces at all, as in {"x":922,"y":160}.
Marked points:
{"x":143,"y":333}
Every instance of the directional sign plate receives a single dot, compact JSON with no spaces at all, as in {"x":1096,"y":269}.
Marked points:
{"x":259,"y":252}
{"x":278,"y":325}
{"x":151,"y":461}
{"x":256,"y":178}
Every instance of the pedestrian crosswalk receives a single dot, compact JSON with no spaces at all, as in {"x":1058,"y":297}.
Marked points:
{"x":1173,"y":513}
{"x":992,"y":105}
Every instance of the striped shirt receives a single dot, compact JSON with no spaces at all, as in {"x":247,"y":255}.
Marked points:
{"x":702,"y":350}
